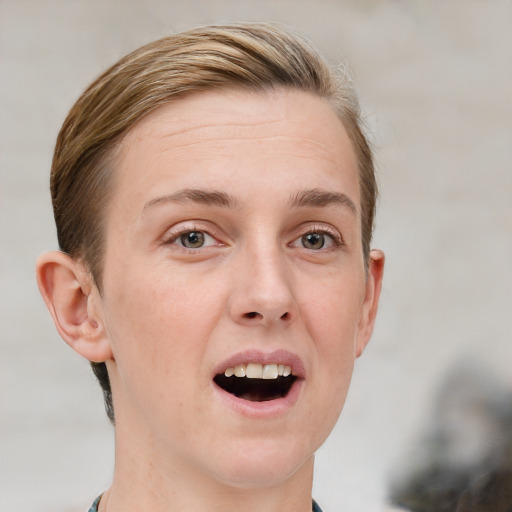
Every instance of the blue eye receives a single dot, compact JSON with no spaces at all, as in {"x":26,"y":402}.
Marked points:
{"x":194,"y":239}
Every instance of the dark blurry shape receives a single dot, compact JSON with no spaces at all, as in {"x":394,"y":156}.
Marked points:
{"x":466,"y":459}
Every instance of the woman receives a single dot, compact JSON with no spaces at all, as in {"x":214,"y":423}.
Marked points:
{"x":214,"y":199}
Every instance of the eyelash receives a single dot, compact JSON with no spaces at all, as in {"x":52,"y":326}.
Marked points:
{"x":174,"y":236}
{"x":333,"y":234}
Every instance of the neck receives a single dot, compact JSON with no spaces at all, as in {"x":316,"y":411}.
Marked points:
{"x":145,"y":480}
{"x":160,"y":493}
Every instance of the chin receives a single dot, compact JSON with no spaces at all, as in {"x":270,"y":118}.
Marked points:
{"x":263,"y":466}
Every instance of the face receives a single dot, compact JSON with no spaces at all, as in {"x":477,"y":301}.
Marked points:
{"x":234,"y":246}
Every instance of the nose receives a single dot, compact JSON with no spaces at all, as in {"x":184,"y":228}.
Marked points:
{"x":262,"y":291}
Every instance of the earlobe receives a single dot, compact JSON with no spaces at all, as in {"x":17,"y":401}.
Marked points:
{"x":74,"y":304}
{"x":371,"y":300}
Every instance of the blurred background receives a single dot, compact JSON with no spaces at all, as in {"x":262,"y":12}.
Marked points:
{"x":435,"y":82}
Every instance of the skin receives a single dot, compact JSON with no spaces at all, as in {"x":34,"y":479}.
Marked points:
{"x":168,"y":316}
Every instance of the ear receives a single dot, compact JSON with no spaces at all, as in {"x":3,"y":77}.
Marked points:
{"x":371,"y":299}
{"x":75,"y":305}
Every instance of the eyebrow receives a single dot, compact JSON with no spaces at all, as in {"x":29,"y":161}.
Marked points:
{"x":320,"y":198}
{"x":315,"y":198}
{"x":208,"y":197}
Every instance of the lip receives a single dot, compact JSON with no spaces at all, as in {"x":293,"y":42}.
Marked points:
{"x":270,"y":408}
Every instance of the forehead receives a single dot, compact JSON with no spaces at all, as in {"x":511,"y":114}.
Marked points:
{"x":215,"y":138}
{"x":239,"y":114}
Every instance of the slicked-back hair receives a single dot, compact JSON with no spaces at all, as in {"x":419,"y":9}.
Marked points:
{"x":253,"y":57}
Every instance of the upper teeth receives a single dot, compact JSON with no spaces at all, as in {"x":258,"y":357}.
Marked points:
{"x":259,"y":371}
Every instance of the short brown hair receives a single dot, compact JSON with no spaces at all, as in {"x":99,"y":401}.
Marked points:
{"x":253,"y":56}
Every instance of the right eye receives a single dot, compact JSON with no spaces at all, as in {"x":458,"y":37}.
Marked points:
{"x":194,"y":239}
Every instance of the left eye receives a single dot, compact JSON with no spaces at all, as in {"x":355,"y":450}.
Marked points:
{"x":194,"y":240}
{"x":314,"y":241}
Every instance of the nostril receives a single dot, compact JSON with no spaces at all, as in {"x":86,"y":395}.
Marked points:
{"x":251,"y":315}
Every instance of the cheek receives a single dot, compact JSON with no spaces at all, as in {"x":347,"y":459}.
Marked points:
{"x":156,"y":325}
{"x":332,"y":314}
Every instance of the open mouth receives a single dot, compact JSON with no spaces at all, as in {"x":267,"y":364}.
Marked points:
{"x":256,"y":382}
